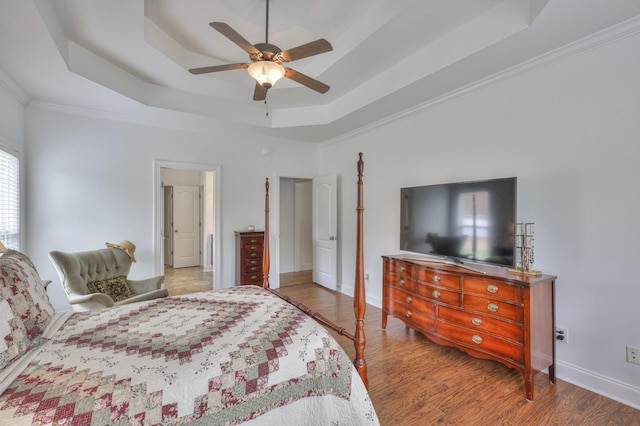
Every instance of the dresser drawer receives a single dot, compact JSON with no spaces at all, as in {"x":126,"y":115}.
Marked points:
{"x":259,"y":240}
{"x":252,"y":267}
{"x":252,"y":278}
{"x":420,"y":320}
{"x":499,"y":308}
{"x":252,"y":248}
{"x":493,"y":289}
{"x":483,"y":323}
{"x":251,"y":263}
{"x":482,"y":341}
{"x":439,"y":294}
{"x":401,"y":282}
{"x":438,"y":278}
{"x":400,"y":267}
{"x":410,"y":300}
{"x":252,"y":255}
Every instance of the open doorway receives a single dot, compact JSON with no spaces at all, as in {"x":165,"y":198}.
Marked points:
{"x":187,"y":226}
{"x":295,"y":219}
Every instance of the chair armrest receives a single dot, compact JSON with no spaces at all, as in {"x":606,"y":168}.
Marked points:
{"x":89,"y":302}
{"x":147,"y":285}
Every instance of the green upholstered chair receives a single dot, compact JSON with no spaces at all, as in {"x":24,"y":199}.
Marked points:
{"x":93,"y":279}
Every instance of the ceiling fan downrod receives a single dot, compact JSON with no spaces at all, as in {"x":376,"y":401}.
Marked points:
{"x":266,"y":31}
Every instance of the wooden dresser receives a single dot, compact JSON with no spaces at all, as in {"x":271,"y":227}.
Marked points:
{"x":494,"y":315}
{"x":249,"y":248}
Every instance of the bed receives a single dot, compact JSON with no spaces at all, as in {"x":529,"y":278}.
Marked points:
{"x":239,"y":355}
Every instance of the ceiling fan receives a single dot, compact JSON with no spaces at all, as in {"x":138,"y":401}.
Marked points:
{"x":266,"y":60}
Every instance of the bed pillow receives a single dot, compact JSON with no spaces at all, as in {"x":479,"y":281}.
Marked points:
{"x":13,"y":336}
{"x":116,"y":288}
{"x":21,"y":287}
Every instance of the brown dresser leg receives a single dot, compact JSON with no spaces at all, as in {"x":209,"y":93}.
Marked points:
{"x":528,"y":386}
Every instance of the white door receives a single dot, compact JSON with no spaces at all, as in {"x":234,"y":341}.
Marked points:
{"x":186,"y":226}
{"x":324,"y":231}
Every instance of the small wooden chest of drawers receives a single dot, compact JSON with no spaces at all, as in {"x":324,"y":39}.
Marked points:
{"x":249,"y":249}
{"x":488,"y":313}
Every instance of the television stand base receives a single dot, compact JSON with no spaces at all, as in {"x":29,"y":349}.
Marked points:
{"x":449,"y":262}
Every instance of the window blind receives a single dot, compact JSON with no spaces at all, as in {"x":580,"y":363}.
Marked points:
{"x":9,"y":200}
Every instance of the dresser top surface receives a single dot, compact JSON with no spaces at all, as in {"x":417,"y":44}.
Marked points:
{"x":246,"y":233}
{"x":478,"y":269}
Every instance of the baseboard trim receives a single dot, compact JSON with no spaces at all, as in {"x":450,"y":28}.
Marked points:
{"x":602,"y":385}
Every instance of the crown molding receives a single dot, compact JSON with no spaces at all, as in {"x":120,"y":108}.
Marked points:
{"x":14,"y":90}
{"x":201,"y":124}
{"x":589,"y":43}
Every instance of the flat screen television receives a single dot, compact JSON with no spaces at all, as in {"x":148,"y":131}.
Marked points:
{"x":464,"y":221}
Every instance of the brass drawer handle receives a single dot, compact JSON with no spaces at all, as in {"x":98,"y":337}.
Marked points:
{"x":402,"y":283}
{"x":493,"y":307}
{"x":403,"y":269}
{"x":436,"y":278}
{"x":408,"y":314}
{"x":254,"y":254}
{"x":409,"y":299}
{"x":492,"y":288}
{"x":476,"y":339}
{"x":476,"y":321}
{"x":253,"y":241}
{"x":253,"y":277}
{"x":436,"y":294}
{"x":254,"y":269}
{"x":253,"y":247}
{"x":253,"y":262}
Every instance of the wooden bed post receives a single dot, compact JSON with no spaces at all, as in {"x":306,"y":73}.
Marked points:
{"x":266,"y":260}
{"x":359,"y":298}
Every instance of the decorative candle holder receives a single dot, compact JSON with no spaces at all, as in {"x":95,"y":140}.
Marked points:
{"x":525,"y":248}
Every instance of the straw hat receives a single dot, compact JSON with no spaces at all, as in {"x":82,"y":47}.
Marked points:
{"x":127,"y":246}
{"x":2,"y":247}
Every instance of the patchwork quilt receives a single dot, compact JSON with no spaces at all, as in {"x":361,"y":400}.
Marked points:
{"x":214,"y":358}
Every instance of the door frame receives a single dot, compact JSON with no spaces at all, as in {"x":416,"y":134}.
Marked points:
{"x":274,"y":276}
{"x":158,"y":217}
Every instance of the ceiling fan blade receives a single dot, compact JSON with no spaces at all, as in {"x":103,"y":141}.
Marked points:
{"x":306,"y":50}
{"x":259,"y":93}
{"x":232,"y":35}
{"x":306,"y":80}
{"x":217,"y":68}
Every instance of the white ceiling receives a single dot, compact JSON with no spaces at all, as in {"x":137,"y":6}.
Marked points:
{"x":130,"y":57}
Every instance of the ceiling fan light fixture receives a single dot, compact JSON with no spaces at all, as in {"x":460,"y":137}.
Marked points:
{"x":266,"y":73}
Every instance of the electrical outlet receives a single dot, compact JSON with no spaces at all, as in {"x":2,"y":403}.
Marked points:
{"x":562,"y":335}
{"x":633,"y":355}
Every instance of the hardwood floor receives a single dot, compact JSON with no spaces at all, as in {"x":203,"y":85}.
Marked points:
{"x":413,"y":381}
{"x":295,"y":278}
{"x":187,"y":280}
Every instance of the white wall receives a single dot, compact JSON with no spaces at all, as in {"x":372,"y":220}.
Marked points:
{"x":91,"y":180}
{"x":570,"y":132}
